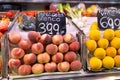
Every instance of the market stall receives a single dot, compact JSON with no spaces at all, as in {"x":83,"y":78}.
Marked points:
{"x":62,"y":40}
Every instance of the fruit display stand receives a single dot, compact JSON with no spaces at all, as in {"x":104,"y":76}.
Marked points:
{"x":84,"y":73}
{"x":13,"y":72}
{"x":112,"y":74}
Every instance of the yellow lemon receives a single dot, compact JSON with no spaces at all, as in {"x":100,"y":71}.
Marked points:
{"x":117,"y":60}
{"x":94,"y":26}
{"x":115,"y":42}
{"x":108,"y":62}
{"x":117,"y":33}
{"x":103,"y":43}
{"x":91,"y":45}
{"x":108,"y":34}
{"x":95,"y":63}
{"x":111,"y":51}
{"x":100,"y":53}
{"x":94,"y":34}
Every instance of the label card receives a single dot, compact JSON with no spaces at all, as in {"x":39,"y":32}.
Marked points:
{"x":51,"y":23}
{"x":109,"y":18}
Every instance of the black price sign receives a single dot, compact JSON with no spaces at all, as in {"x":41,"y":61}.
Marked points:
{"x":51,"y":23}
{"x":109,"y":18}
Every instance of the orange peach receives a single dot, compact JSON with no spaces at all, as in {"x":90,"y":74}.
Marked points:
{"x":57,"y":39}
{"x":34,"y":36}
{"x":17,"y":53}
{"x":25,"y":44}
{"x":63,"y":47}
{"x":68,"y":38}
{"x":14,"y":37}
{"x":50,"y":67}
{"x":51,"y":49}
{"x":74,"y":46}
{"x":70,"y":56}
{"x":75,"y":65}
{"x":58,"y":57}
{"x":37,"y":48}
{"x":29,"y":58}
{"x":24,"y":69}
{"x":46,"y":39}
{"x":63,"y":66}
{"x":117,"y":61}
{"x":37,"y":68}
{"x":43,"y":58}
{"x":14,"y":63}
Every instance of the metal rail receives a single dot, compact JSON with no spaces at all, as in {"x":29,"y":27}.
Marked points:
{"x":62,"y":1}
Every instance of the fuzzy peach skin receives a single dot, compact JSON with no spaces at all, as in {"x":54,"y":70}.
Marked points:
{"x":17,"y":53}
{"x":14,"y":63}
{"x":70,"y":56}
{"x":43,"y":58}
{"x":51,"y":49}
{"x":68,"y":38}
{"x":14,"y":37}
{"x":63,"y":66}
{"x":57,"y":39}
{"x":29,"y":58}
{"x":58,"y":57}
{"x":74,"y":46}
{"x":25,"y":44}
{"x":63,"y":47}
{"x":75,"y":65}
{"x":37,"y":48}
{"x":50,"y":67}
{"x":24,"y":69}
{"x":37,"y":68}
{"x":46,"y":39}
{"x":34,"y":36}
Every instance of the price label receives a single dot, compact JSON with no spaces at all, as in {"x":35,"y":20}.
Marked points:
{"x":51,"y":23}
{"x":109,"y":18}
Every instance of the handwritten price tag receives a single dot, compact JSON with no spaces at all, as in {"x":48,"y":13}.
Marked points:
{"x":109,"y":18}
{"x":51,"y":23}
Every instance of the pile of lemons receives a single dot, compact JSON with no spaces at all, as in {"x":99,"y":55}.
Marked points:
{"x":105,"y":48}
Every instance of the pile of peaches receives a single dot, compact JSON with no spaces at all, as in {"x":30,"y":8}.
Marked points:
{"x":38,"y":53}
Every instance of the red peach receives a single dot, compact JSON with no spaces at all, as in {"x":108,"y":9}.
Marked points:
{"x":34,"y":36}
{"x":24,"y":69}
{"x":37,"y":48}
{"x":25,"y":44}
{"x":74,"y":46}
{"x":63,"y":47}
{"x":51,"y":49}
{"x":29,"y":58}
{"x":70,"y":56}
{"x":46,"y":39}
{"x":14,"y":37}
{"x":58,"y":57}
{"x":57,"y":39}
{"x":14,"y":63}
{"x":63,"y":66}
{"x":17,"y":53}
{"x":37,"y":68}
{"x":75,"y":65}
{"x":50,"y":67}
{"x":43,"y":58}
{"x":68,"y":38}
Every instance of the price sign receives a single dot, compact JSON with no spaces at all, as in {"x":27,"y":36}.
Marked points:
{"x":109,"y":18}
{"x":51,"y":23}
